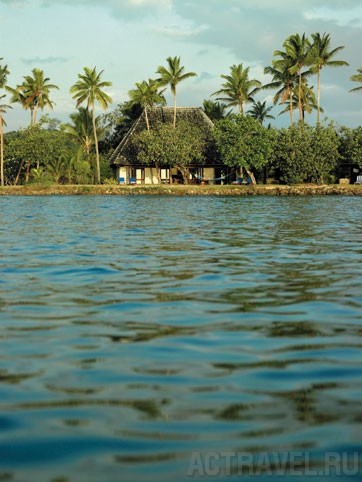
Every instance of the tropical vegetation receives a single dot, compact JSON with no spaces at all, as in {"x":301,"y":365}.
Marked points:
{"x":88,"y":89}
{"x":77,"y":151}
{"x":172,"y":76}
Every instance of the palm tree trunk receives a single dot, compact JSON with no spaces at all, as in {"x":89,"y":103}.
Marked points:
{"x":146,"y":117}
{"x":291,"y":106}
{"x":174,"y":110}
{"x":27,"y":174}
{"x":241,"y":110}
{"x":2,"y":150}
{"x":319,"y":95}
{"x":251,"y":175}
{"x":96,"y":145}
{"x":18,"y":173}
{"x":300,"y":96}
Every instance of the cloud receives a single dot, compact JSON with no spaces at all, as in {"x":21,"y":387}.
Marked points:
{"x":44,"y":60}
{"x":351,"y":16}
{"x":179,"y":32}
{"x":204,"y":76}
{"x":118,"y":8}
{"x":14,"y":3}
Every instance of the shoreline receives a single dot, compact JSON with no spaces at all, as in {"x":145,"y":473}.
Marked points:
{"x":183,"y":190}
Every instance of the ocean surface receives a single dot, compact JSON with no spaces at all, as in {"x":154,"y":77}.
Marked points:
{"x":180,"y":338}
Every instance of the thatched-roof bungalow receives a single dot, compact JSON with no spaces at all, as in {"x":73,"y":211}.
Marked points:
{"x":129,"y":170}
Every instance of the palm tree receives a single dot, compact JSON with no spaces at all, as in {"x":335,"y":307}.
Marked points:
{"x":357,"y":78}
{"x":33,"y":93}
{"x":81,"y":129}
{"x":3,"y":77}
{"x":215,"y":110}
{"x":238,"y":88}
{"x":297,"y":49}
{"x":89,"y":89}
{"x":321,"y":56}
{"x":282,"y":80}
{"x":173,"y":76}
{"x":147,"y":94}
{"x":260,"y":111}
{"x":17,"y":96}
{"x":309,"y":100}
{"x":3,"y":74}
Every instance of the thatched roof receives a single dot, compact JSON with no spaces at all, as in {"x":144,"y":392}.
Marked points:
{"x":193,"y":115}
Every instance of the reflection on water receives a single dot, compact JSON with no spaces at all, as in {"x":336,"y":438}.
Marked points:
{"x":137,"y":330}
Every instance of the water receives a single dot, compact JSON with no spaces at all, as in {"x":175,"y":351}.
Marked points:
{"x":171,"y":339}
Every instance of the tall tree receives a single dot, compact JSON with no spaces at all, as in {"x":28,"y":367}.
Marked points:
{"x":282,"y":80}
{"x":297,"y":49}
{"x":238,"y":88}
{"x":3,"y":78}
{"x":88,"y":89}
{"x":321,"y":56}
{"x":357,"y":78}
{"x":148,"y":95}
{"x":309,"y":100}
{"x":259,"y":111}
{"x":33,"y":93}
{"x":243,"y":143}
{"x":172,"y":76}
{"x":81,"y":129}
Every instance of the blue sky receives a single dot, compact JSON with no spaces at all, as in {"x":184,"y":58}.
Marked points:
{"x":129,"y":39}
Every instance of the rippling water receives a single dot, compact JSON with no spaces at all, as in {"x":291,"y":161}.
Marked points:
{"x":161,"y":338}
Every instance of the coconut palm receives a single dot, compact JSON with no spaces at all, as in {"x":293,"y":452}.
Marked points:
{"x":18,"y":97}
{"x":309,"y":100}
{"x":357,"y":78}
{"x":282,"y":80}
{"x":148,"y":95}
{"x":238,"y":88}
{"x":33,"y":93}
{"x":321,"y":56}
{"x":81,"y":129}
{"x":3,"y":74}
{"x":297,"y":50}
{"x":172,"y":76}
{"x":215,"y":110}
{"x":259,"y":111}
{"x":88,"y":89}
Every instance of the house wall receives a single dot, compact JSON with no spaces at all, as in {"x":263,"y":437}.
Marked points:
{"x":151,"y":176}
{"x":122,"y":172}
{"x":147,"y":175}
{"x":209,"y":173}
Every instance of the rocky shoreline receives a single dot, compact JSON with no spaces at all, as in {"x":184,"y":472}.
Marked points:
{"x":182,"y":190}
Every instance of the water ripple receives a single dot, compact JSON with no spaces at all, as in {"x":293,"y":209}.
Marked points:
{"x":136,"y":330}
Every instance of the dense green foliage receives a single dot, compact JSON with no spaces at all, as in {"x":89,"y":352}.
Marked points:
{"x":42,"y":155}
{"x":351,"y":145}
{"x":306,"y":154}
{"x":242,"y":141}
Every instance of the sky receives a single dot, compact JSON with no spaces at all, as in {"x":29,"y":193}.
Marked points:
{"x":129,"y":39}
